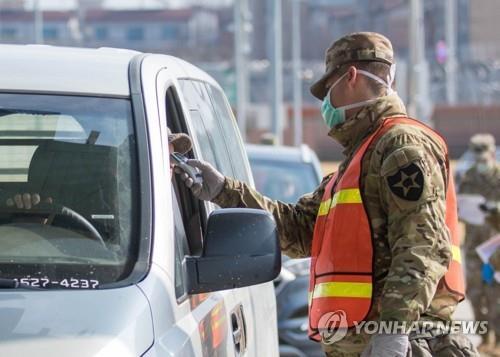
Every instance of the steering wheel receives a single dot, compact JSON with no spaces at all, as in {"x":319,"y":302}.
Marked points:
{"x":54,"y":209}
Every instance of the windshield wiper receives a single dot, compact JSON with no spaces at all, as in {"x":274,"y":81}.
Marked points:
{"x":15,"y":284}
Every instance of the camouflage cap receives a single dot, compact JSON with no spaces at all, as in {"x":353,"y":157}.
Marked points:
{"x":358,"y":46}
{"x":181,"y":142}
{"x":482,"y":144}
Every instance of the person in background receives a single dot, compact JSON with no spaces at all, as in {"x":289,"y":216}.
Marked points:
{"x":178,"y":142}
{"x":380,"y":231}
{"x":483,"y":178}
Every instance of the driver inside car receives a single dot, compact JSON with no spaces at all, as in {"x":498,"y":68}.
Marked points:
{"x":26,"y":200}
{"x":177,"y":142}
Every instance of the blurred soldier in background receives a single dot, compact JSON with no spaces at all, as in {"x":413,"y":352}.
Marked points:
{"x":378,"y":230}
{"x":483,"y":178}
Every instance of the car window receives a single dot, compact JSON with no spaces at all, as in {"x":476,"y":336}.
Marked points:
{"x":200,"y":132}
{"x":230,"y":133}
{"x":188,"y":212}
{"x":207,"y":131}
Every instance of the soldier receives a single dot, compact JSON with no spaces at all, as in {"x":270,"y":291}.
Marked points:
{"x":483,"y":178}
{"x":377,"y":230}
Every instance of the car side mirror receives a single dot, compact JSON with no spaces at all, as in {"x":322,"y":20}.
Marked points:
{"x":241,"y":248}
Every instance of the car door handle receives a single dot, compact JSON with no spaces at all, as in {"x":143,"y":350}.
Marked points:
{"x":238,"y":330}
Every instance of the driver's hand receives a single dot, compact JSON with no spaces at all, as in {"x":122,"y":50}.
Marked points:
{"x":25,"y":200}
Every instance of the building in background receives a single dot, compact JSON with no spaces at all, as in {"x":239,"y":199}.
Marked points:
{"x":193,"y":33}
{"x":203,"y":34}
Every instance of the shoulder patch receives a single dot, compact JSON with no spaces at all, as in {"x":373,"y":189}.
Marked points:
{"x":407,"y":183}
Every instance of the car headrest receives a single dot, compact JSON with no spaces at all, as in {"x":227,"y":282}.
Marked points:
{"x":79,"y":176}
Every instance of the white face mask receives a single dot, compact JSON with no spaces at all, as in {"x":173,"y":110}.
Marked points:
{"x":334,"y":116}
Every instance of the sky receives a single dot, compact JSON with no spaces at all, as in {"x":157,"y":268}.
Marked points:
{"x":121,"y":4}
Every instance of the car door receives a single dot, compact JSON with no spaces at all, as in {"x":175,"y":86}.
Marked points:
{"x":219,"y":317}
{"x":260,"y":298}
{"x":207,"y":134}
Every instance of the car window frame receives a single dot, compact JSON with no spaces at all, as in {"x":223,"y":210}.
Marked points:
{"x":186,"y":202}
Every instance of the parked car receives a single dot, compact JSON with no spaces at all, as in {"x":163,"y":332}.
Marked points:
{"x":118,"y":258}
{"x":465,"y":162}
{"x":286,"y":173}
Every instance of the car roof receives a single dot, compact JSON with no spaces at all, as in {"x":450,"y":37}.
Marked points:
{"x":73,"y":70}
{"x":41,"y":68}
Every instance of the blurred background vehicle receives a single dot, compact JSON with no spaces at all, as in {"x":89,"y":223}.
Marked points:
{"x":286,"y":173}
{"x":465,"y":162}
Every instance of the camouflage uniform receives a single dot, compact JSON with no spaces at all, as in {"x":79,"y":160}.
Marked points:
{"x":412,"y":249}
{"x":495,"y":260}
{"x":484,"y":298}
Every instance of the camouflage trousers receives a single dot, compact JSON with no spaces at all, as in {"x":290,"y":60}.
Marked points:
{"x":449,"y":345}
{"x":485,"y":299}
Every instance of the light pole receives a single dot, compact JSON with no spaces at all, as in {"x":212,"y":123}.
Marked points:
{"x":419,"y":101}
{"x":38,"y":24}
{"x":242,"y":27}
{"x":276,"y":56}
{"x":450,"y":19}
{"x":297,"y":73}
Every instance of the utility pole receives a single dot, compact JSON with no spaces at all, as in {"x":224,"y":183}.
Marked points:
{"x":276,"y":57}
{"x":242,"y":48}
{"x":419,"y":101}
{"x":38,"y":24}
{"x":450,"y":18}
{"x":297,"y":73}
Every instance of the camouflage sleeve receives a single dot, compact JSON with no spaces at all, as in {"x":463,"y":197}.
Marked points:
{"x":295,"y":221}
{"x":412,"y":185}
{"x":495,"y":260}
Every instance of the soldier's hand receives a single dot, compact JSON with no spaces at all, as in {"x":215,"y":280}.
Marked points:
{"x":25,"y":200}
{"x":384,"y":345}
{"x":212,"y":184}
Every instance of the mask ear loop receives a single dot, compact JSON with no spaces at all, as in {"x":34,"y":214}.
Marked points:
{"x":387,"y":84}
{"x":392,"y":74}
{"x":333,"y":85}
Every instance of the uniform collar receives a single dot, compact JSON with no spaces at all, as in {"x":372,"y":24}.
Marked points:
{"x":351,"y":133}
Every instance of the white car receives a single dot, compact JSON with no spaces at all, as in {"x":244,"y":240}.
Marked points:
{"x":102,"y":252}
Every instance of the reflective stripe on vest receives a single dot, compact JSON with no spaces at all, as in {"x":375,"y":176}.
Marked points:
{"x":456,"y":254}
{"x":351,"y":195}
{"x":342,"y":289}
{"x":342,"y":248}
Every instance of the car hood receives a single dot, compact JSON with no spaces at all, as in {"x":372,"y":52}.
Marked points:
{"x":112,"y":322}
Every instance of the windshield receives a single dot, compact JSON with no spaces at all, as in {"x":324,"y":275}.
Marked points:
{"x":68,"y":190}
{"x":283,"y":181}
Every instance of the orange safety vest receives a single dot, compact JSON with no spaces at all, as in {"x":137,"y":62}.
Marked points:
{"x":342,"y":249}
